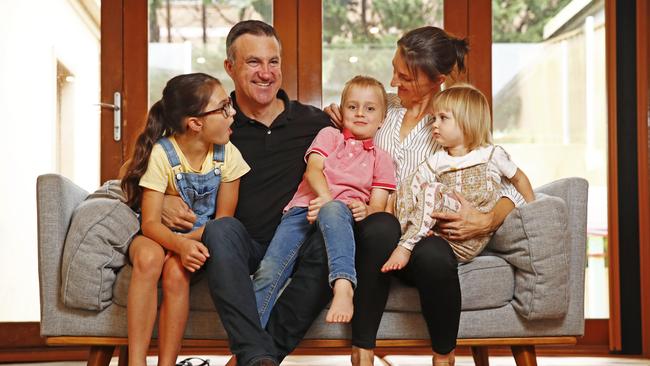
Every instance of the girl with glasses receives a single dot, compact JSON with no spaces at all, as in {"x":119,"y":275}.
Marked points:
{"x":184,"y":150}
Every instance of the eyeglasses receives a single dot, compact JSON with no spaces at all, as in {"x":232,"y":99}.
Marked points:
{"x":224,"y":110}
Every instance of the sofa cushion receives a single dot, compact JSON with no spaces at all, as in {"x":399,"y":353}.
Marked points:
{"x":96,"y":247}
{"x":533,"y":239}
{"x":486,"y":282}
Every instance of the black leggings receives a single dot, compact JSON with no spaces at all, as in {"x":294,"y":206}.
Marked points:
{"x":432,"y":269}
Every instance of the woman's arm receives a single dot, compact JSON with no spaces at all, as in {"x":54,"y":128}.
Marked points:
{"x":521,"y":182}
{"x":193,"y":254}
{"x":469,"y":222}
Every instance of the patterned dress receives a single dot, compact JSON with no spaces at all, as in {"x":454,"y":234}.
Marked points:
{"x":430,"y":189}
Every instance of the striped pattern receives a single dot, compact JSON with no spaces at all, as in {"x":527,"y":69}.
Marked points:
{"x":417,"y":146}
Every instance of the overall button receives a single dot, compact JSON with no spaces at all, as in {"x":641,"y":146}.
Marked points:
{"x":268,"y":132}
{"x":179,"y":176}
{"x":217,"y":171}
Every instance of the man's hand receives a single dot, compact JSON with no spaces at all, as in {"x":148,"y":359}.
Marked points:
{"x":465,"y":224}
{"x":314,"y":208}
{"x":359,"y":210}
{"x":175,"y":214}
{"x":334,"y":111}
{"x":193,"y":254}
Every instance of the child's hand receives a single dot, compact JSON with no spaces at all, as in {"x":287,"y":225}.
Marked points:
{"x":397,"y":260}
{"x":359,"y":210}
{"x":193,"y":254}
{"x":314,"y":207}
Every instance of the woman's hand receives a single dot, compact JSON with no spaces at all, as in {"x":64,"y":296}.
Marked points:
{"x":334,"y":112}
{"x":359,"y":210}
{"x":465,"y":224}
{"x":175,"y":213}
{"x":193,"y":254}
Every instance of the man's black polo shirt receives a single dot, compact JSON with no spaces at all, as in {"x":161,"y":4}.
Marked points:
{"x":276,"y":157}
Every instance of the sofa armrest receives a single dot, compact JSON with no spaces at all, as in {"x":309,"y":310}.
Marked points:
{"x":533,"y":240}
{"x":574,"y":191}
{"x":56,"y":199}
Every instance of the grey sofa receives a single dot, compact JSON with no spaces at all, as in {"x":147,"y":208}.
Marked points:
{"x":526,"y":289}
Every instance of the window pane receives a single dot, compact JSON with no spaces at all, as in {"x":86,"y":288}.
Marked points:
{"x":550,"y":101}
{"x":190,"y":36}
{"x":359,"y":37}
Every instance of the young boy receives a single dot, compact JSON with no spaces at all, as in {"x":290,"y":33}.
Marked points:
{"x":347,"y":178}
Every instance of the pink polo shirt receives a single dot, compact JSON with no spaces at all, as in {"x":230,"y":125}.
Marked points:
{"x":352,"y":168}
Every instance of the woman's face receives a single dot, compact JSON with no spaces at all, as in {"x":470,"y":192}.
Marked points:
{"x":411,"y":88}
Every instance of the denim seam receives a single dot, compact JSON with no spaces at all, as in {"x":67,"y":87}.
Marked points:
{"x":274,"y":283}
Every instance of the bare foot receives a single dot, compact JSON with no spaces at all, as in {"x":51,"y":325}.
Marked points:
{"x":362,"y":356}
{"x":444,"y":360}
{"x":397,"y":260}
{"x":232,"y":361}
{"x":342,"y":307}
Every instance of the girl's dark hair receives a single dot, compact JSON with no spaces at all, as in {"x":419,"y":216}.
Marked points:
{"x":184,"y":96}
{"x":433,"y":51}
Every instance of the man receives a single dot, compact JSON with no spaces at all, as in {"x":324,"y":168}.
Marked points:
{"x":273,"y":134}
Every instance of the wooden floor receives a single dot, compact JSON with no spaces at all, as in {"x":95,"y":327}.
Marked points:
{"x":401,"y":361}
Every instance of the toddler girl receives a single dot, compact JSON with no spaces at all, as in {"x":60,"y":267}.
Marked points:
{"x":184,"y":150}
{"x":347,"y":178}
{"x":468,"y":164}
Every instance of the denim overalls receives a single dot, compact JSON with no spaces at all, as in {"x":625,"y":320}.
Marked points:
{"x":199,"y":191}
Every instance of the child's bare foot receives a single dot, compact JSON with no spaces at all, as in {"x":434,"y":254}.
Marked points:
{"x":444,"y":360}
{"x":362,"y":356}
{"x":397,"y":260}
{"x":342,"y":307}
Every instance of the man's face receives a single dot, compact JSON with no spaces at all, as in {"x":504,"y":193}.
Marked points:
{"x":255,"y":69}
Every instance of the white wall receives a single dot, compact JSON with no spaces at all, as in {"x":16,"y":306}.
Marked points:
{"x":33,"y":36}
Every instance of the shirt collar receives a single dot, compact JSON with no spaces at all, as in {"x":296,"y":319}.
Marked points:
{"x":367,"y":144}
{"x":281,"y":119}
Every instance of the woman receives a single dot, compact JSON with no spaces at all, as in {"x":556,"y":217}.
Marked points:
{"x":425,"y":58}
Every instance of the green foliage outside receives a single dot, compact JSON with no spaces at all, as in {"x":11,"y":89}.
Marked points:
{"x":522,"y":21}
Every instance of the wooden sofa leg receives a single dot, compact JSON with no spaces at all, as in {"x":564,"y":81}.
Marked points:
{"x":100,"y":355}
{"x":524,"y":355}
{"x":124,"y":356}
{"x":480,"y":355}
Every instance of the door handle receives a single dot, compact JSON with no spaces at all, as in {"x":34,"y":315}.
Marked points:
{"x":117,"y":114}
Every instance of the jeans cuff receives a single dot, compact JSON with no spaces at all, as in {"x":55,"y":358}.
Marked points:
{"x":346,"y":276}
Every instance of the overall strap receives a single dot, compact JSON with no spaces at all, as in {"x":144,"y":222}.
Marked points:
{"x":219,"y":152}
{"x":491,"y":153}
{"x":174,"y":161}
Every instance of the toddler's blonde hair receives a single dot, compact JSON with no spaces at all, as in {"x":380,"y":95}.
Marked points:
{"x":365,"y":82}
{"x":471,"y":111}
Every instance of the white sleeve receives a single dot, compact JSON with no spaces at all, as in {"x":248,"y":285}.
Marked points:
{"x":507,"y":168}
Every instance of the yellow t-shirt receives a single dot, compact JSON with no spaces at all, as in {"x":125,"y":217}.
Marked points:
{"x":160,"y":175}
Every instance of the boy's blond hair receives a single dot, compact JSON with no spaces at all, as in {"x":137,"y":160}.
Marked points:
{"x":471,"y":111}
{"x":365,"y":82}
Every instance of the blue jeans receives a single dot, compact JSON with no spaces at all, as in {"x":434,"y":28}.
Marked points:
{"x":234,"y":257}
{"x":336,"y":223}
